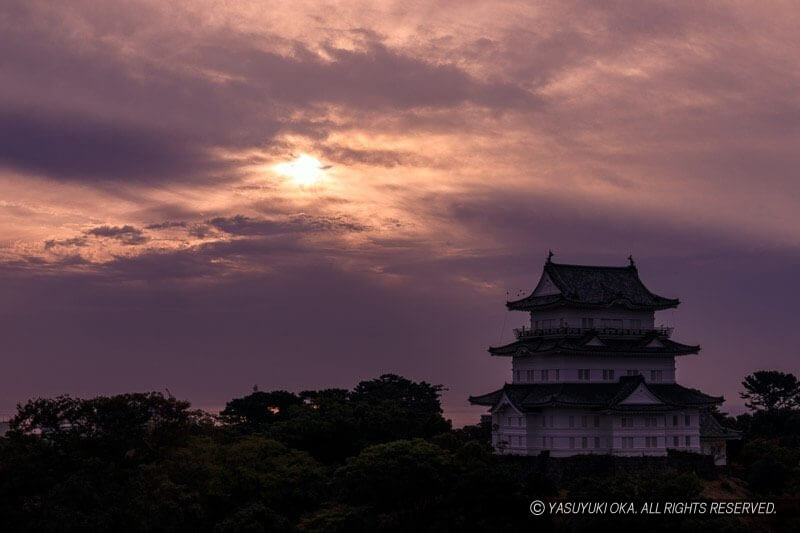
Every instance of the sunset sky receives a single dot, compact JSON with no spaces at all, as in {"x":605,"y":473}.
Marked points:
{"x":204,"y":196}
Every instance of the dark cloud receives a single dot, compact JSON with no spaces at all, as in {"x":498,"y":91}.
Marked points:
{"x":167,"y":225}
{"x":73,"y":147}
{"x":379,"y":158}
{"x":95,"y":113}
{"x":74,"y":241}
{"x":301,"y":223}
{"x":125,"y":234}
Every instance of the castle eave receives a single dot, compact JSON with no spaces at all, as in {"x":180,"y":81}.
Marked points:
{"x":602,"y":396}
{"x":611,"y":345}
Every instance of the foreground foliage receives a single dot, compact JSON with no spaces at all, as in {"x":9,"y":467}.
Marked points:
{"x":377,"y":457}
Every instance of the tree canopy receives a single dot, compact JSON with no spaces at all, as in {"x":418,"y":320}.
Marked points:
{"x":380,"y":456}
{"x":770,"y":390}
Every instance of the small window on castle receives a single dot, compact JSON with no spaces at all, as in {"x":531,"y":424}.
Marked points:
{"x":688,"y":440}
{"x":608,"y":374}
{"x":558,"y":378}
{"x":635,"y":323}
{"x":675,"y":421}
{"x":572,"y":443}
{"x":584,"y":421}
{"x":584,"y":442}
{"x":587,"y":323}
{"x":675,"y":441}
{"x":544,"y":442}
{"x":583,"y":374}
{"x":596,"y":421}
{"x":545,"y":375}
{"x":687,"y":420}
{"x":572,"y":421}
{"x":655,"y":375}
{"x":597,"y":442}
{"x":632,"y":372}
{"x":627,"y":422}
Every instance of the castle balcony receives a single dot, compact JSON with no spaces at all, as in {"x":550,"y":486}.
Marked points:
{"x":526,"y":332}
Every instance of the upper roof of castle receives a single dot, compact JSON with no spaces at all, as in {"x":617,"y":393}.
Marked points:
{"x":591,"y":287}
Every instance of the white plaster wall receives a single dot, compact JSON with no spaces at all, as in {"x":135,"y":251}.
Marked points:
{"x":664,"y":431}
{"x":573,"y":317}
{"x":562,"y":432}
{"x":511,"y":430}
{"x":551,"y":430}
{"x":568,"y":366}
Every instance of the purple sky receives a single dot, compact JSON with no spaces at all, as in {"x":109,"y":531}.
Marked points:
{"x":206,"y":198}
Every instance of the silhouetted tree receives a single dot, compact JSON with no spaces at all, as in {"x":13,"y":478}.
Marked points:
{"x":333,"y":424}
{"x":392,"y":407}
{"x":258,"y":410}
{"x":126,"y":426}
{"x":415,"y":485}
{"x":771,"y":389}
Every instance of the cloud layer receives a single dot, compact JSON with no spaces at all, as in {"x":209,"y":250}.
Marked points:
{"x":147,"y":232}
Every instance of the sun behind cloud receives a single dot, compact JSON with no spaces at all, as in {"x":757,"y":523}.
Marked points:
{"x":303,"y":169}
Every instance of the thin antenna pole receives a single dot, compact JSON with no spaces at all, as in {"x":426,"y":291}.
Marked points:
{"x":505,"y":318}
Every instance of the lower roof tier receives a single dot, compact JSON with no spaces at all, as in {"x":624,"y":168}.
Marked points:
{"x":630,"y":393}
{"x":593,"y":342}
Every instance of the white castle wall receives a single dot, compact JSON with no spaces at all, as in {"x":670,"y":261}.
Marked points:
{"x":573,"y":318}
{"x":564,"y":369}
{"x":565,"y":432}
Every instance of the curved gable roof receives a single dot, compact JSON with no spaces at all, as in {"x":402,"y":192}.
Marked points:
{"x":528,"y":397}
{"x":586,"y":345}
{"x":592,"y":286}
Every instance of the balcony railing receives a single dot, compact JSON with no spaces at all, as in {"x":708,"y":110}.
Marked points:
{"x":526,"y":332}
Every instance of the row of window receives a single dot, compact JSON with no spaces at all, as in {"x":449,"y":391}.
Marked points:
{"x":589,"y":323}
{"x":652,"y":421}
{"x":514,"y":421}
{"x":584,"y":374}
{"x":585,"y":421}
{"x":652,"y":442}
{"x":625,"y":421}
{"x":586,"y":443}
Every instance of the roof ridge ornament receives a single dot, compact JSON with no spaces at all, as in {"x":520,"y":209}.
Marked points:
{"x":549,"y":256}
{"x":632,"y":263}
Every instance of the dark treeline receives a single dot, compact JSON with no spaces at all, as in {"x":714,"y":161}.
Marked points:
{"x":379,"y":456}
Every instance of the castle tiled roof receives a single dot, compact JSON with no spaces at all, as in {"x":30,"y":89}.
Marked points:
{"x":595,"y":342}
{"x":528,"y":397}
{"x":710,"y":428}
{"x":594,"y":287}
